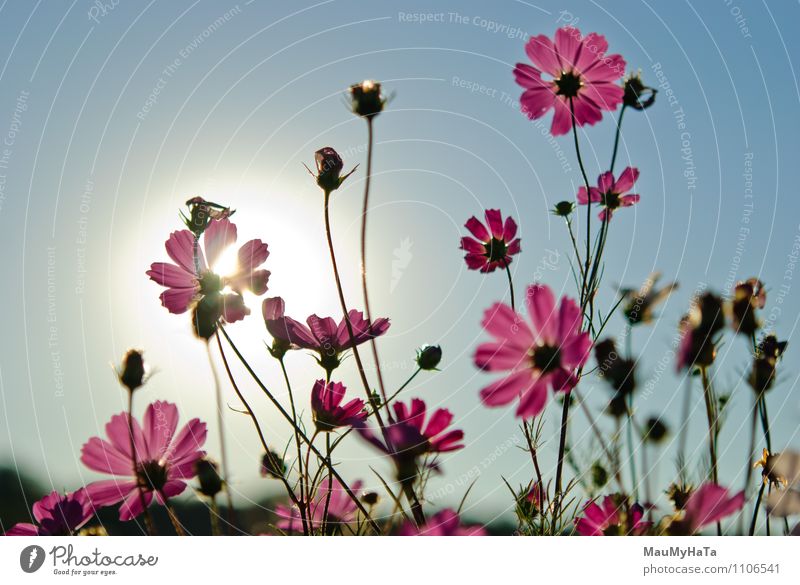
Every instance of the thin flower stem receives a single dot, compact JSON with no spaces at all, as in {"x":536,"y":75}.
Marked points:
{"x":616,"y":137}
{"x":748,"y":467}
{"x":416,"y":508}
{"x":756,"y":508}
{"x":330,"y":486}
{"x":584,"y":298}
{"x":766,"y":510}
{"x":401,"y":388}
{"x":148,"y":521}
{"x":308,"y":486}
{"x":510,"y":287}
{"x":223,"y":451}
{"x":173,"y":517}
{"x":575,"y":247}
{"x":765,"y":421}
{"x":631,"y":449}
{"x":562,"y":443}
{"x":535,"y":460}
{"x":213,"y":513}
{"x":631,"y":452}
{"x":299,"y":431}
{"x":365,"y":210}
{"x":713,"y":428}
{"x":361,"y":372}
{"x":303,"y":474}
{"x":584,"y":286}
{"x":297,"y":501}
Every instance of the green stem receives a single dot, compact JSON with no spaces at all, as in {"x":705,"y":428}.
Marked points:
{"x":401,"y":388}
{"x":299,"y":431}
{"x":419,"y":517}
{"x":616,"y":138}
{"x":176,"y":524}
{"x":510,"y":287}
{"x":364,"y":289}
{"x":584,"y":286}
{"x":259,"y":432}
{"x":756,"y":508}
{"x":303,"y":474}
{"x":223,"y":451}
{"x":713,"y":428}
{"x":148,"y":521}
{"x":562,"y":443}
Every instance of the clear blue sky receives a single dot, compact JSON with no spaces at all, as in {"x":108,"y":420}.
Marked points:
{"x":94,"y":170}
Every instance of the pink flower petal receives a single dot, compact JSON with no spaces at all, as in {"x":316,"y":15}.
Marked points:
{"x":562,"y":120}
{"x":542,"y":52}
{"x":108,"y":491}
{"x":478,"y":229}
{"x":495,"y":222}
{"x":506,"y":389}
{"x":233,"y":308}
{"x":626,"y":180}
{"x":501,"y":322}
{"x":181,"y":248}
{"x":171,"y":276}
{"x":610,"y":68}
{"x":533,"y":399}
{"x":189,"y":440}
{"x":497,"y":356}
{"x":529,"y":77}
{"x":160,"y":422}
{"x":472,"y":245}
{"x":273,"y":308}
{"x":219,"y":234}
{"x":177,"y":300}
{"x":568,"y":45}
{"x":535,"y":102}
{"x":542,"y":309}
{"x":509,"y":229}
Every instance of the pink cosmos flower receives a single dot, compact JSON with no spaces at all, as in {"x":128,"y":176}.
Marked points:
{"x":444,"y":523}
{"x":56,"y":515}
{"x":708,"y":504}
{"x":578,"y":69}
{"x":536,"y":359}
{"x":610,"y":194}
{"x":165,"y":460}
{"x":611,"y":519}
{"x":410,"y":436}
{"x":322,"y":334}
{"x":341,"y":509}
{"x":327,"y":409}
{"x":192,"y":277}
{"x":491,"y":247}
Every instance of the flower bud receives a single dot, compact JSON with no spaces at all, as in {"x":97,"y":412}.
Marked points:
{"x":329,"y":167}
{"x":429,"y":356}
{"x":655,"y":430}
{"x":366,"y":98}
{"x":370,"y":498}
{"x":636,"y":94}
{"x":272,"y":465}
{"x":132,"y":374}
{"x":748,"y":296}
{"x":599,"y":475}
{"x":202,"y":213}
{"x":563,"y":208}
{"x":205,"y":316}
{"x":208,"y":475}
{"x":679,"y":494}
